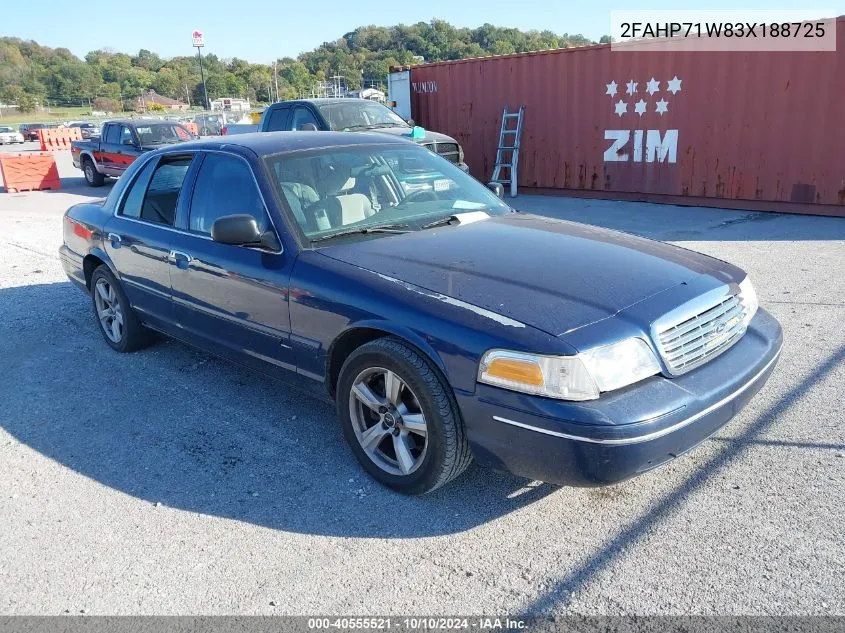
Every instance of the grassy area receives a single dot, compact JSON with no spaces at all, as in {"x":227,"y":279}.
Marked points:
{"x":56,"y":115}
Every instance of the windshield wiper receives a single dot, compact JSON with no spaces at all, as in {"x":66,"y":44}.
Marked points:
{"x":441,"y":222}
{"x":373,"y":126}
{"x":363,"y":230}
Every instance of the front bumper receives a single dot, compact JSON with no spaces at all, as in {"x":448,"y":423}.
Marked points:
{"x":623,"y":433}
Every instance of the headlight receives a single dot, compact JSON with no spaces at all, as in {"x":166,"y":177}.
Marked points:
{"x":580,"y":377}
{"x":749,"y":299}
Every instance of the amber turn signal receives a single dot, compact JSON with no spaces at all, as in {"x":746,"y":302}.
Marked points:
{"x":519,"y":371}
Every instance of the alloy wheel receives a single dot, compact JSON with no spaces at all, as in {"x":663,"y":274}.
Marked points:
{"x":388,"y":421}
{"x":109,"y":310}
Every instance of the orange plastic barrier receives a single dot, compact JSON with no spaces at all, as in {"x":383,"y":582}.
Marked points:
{"x":32,"y":171}
{"x":193,"y":128}
{"x":58,"y":138}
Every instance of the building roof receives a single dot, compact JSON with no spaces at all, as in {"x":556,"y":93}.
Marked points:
{"x":154,"y":97}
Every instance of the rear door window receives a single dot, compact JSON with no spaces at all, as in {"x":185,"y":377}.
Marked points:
{"x":113,"y":134}
{"x":134,"y":200}
{"x":278,"y":120}
{"x":154,"y":196}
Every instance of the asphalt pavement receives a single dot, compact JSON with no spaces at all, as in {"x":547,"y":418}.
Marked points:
{"x":169,"y":482}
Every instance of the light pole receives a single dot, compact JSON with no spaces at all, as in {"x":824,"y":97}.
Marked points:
{"x":199,"y":41}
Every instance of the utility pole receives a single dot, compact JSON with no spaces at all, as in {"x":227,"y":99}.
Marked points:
{"x":336,"y":86}
{"x":187,"y":95}
{"x":276,"y":79}
{"x":199,"y":42}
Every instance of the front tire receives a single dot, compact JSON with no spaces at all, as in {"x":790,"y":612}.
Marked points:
{"x":116,"y":320}
{"x":92,"y":176}
{"x":400,"y":418}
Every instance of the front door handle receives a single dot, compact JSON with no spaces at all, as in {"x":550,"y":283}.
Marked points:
{"x":115,"y":240}
{"x":183,"y":260}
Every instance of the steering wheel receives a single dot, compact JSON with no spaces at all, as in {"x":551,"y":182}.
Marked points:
{"x":420,"y":196}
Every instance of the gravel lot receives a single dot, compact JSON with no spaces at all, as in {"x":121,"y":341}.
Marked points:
{"x":168,"y":482}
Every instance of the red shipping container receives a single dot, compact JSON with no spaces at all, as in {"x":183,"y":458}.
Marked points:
{"x":757,"y":130}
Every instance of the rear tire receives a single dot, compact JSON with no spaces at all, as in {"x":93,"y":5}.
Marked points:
{"x":400,"y":418}
{"x":92,"y":176}
{"x":114,"y":317}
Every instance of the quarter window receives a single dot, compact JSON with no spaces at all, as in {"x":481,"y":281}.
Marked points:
{"x":225,"y":186}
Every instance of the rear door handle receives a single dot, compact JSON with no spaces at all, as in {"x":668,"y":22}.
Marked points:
{"x":183,"y":260}
{"x":115,"y":240}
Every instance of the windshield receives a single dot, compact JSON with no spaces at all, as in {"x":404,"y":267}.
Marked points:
{"x":336,"y":191}
{"x":162,"y":133}
{"x":6,"y":129}
{"x":357,"y":115}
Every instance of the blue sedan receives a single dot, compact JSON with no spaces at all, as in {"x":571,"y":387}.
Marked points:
{"x":444,"y":326}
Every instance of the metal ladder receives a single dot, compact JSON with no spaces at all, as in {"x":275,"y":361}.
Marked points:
{"x":502,"y":160}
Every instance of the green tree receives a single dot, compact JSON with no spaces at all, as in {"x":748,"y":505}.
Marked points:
{"x":27,"y":103}
{"x":166,"y":82}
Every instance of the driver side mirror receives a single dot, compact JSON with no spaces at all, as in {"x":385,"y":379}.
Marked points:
{"x":241,"y":229}
{"x":307,"y":127}
{"x":496,"y":188}
{"x":411,"y":122}
{"x":128,"y":141}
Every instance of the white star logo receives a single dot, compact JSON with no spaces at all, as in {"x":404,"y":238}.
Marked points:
{"x":662,"y":107}
{"x":611,"y":89}
{"x":639,"y":107}
{"x":674,"y":85}
{"x":621,"y":107}
{"x":652,"y":86}
{"x":631,"y":87}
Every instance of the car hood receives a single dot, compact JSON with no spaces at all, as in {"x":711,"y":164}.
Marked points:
{"x":406,"y":132}
{"x":551,"y":274}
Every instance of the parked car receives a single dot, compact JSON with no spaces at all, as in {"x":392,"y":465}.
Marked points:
{"x":30,"y":130}
{"x":442,"y":324}
{"x":8,"y":135}
{"x":87,"y":130}
{"x":210,"y":124}
{"x":348,"y":115}
{"x":120,"y":143}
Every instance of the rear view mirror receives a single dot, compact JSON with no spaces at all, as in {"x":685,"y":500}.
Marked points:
{"x":241,"y":229}
{"x":496,"y":188}
{"x":412,"y":164}
{"x":236,"y":229}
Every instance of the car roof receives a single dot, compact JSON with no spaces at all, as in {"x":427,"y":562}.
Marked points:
{"x":138,"y":121}
{"x":266,"y":143}
{"x":328,"y":100}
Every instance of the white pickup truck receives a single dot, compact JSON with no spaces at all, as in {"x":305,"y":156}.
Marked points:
{"x":349,"y":115}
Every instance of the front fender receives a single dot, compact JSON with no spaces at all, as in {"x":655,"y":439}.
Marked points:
{"x":402,"y":332}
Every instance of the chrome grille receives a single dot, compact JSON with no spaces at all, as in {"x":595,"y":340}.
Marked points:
{"x":449,"y":151}
{"x":696,"y":340}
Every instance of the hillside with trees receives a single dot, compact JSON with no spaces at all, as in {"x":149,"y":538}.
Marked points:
{"x":33,"y":75}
